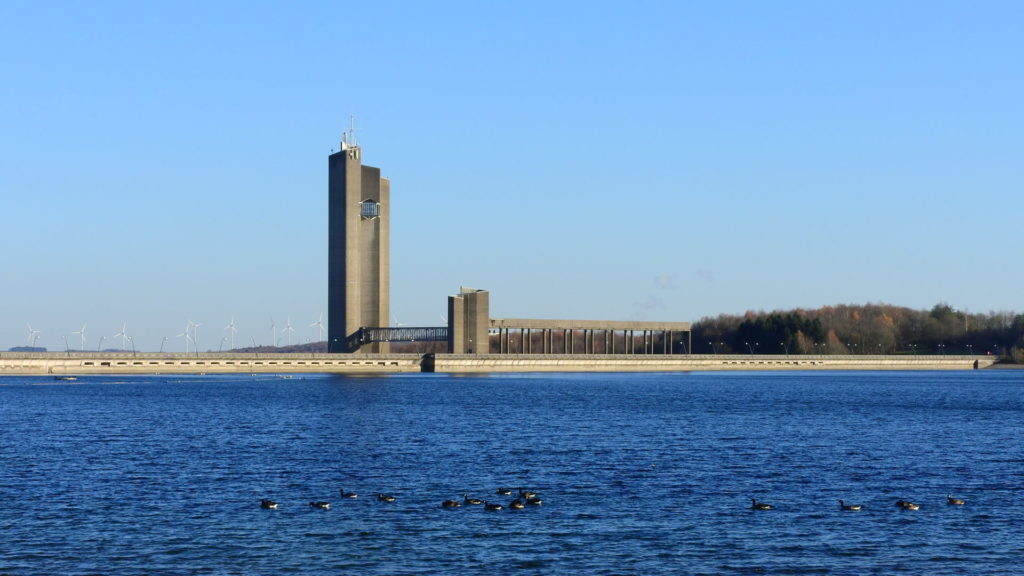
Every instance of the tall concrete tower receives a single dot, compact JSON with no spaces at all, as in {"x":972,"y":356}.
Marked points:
{"x":358,"y":276}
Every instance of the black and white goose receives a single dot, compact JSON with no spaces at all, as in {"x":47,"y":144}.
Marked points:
{"x":904,"y":504}
{"x":849,"y":507}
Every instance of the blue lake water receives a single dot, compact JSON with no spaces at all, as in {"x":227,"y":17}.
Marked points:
{"x":639,"y":473}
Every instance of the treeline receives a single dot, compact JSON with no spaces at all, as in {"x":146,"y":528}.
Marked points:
{"x":866,"y":329}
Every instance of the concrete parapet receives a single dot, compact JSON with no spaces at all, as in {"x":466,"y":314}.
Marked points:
{"x":467,"y":363}
{"x":81,"y":363}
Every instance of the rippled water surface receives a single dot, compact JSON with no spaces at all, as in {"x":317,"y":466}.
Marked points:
{"x":639,"y":473}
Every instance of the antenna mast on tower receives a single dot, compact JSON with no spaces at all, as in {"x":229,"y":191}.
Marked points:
{"x":348,"y":138}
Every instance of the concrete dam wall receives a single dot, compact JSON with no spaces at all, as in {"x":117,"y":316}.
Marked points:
{"x":83,"y":363}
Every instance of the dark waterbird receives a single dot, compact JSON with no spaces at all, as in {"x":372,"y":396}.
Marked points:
{"x":849,"y":507}
{"x":471,"y":501}
{"x":321,"y":505}
{"x":954,"y":501}
{"x":755,"y":505}
{"x":347,"y":494}
{"x":268,"y":504}
{"x":489,"y":506}
{"x":450,"y":504}
{"x":385,"y":497}
{"x":904,"y":504}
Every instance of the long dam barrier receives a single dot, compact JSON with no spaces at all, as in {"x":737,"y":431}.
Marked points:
{"x":81,"y":363}
{"x":84,"y":363}
{"x":451,"y":363}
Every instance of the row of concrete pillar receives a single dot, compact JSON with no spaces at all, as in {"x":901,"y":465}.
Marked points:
{"x":595,"y":341}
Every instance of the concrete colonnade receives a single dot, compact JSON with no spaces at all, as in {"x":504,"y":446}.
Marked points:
{"x":594,"y":340}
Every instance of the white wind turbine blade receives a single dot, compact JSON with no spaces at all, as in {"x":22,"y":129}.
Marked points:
{"x":186,"y":335}
{"x":320,"y":325}
{"x":231,"y":328}
{"x":289,"y":330}
{"x":123,"y":335}
{"x":82,"y":334}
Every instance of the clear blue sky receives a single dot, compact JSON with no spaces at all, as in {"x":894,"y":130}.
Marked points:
{"x":167,"y":161}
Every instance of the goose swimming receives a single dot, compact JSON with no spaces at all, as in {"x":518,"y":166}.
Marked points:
{"x":907,"y":505}
{"x":849,"y":507}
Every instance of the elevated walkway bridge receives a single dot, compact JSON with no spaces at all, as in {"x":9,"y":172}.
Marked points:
{"x":369,"y":335}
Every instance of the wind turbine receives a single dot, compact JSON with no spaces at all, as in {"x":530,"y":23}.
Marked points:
{"x":394,"y":318}
{"x":288,"y":328}
{"x":319,"y":324}
{"x":123,"y":335}
{"x":273,"y":331}
{"x":186,"y":335}
{"x":82,"y":334}
{"x":99,"y":346}
{"x":231,"y":327}
{"x":195,"y":334}
{"x":33,"y":335}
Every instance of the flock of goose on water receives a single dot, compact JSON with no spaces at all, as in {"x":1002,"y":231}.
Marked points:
{"x":523,"y":499}
{"x":526,"y":498}
{"x":901,"y":503}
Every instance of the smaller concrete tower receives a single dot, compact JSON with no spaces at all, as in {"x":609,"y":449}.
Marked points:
{"x":469,"y":322}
